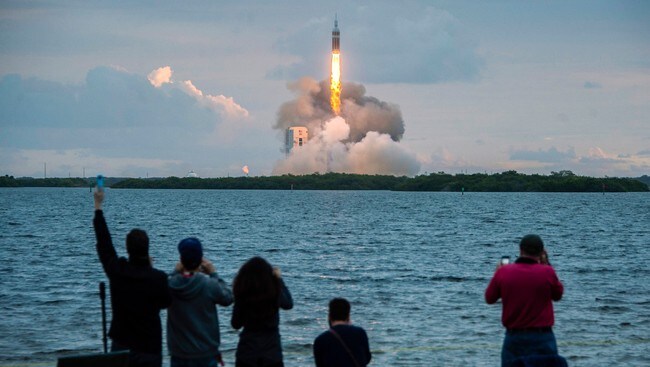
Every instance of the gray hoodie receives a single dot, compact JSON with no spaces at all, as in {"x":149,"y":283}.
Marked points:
{"x":192,"y":321}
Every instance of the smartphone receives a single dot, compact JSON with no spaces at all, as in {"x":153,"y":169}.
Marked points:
{"x":100,"y":182}
{"x":505,"y":260}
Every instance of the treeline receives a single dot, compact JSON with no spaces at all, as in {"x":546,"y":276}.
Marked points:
{"x":10,"y":181}
{"x":509,"y":181}
{"x":329,"y":181}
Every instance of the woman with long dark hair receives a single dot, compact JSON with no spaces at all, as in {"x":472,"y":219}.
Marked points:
{"x":259,"y":294}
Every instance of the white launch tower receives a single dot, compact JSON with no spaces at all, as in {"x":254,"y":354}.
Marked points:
{"x":297,"y":136}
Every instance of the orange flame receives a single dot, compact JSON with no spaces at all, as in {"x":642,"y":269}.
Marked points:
{"x":335,"y":83}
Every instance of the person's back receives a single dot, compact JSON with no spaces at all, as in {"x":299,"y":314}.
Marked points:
{"x":259,"y":294}
{"x":527,"y":291}
{"x":193,"y":336}
{"x":528,"y":288}
{"x":343,"y":345}
{"x":138,"y":293}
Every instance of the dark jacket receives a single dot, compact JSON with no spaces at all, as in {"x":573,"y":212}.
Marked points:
{"x":138,"y":293}
{"x":192,"y":319}
{"x":329,"y":352}
{"x":259,"y":342}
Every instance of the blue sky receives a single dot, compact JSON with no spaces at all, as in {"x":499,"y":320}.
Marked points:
{"x":160,"y":88}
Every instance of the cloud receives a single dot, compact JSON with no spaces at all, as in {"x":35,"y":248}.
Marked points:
{"x":220,"y":103}
{"x":552,"y":155}
{"x":77,"y":162}
{"x":645,"y":153}
{"x":592,"y":85}
{"x":420,"y":46}
{"x":115,"y":114}
{"x":160,"y":76}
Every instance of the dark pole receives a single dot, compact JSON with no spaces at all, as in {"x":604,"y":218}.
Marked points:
{"x":102,"y":295}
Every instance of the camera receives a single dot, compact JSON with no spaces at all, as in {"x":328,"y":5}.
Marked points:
{"x":505,"y":260}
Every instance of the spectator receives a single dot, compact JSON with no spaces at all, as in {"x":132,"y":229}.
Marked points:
{"x":527,"y":289}
{"x":259,"y":294}
{"x":193,"y":336}
{"x":343,"y":345}
{"x":138,"y":293}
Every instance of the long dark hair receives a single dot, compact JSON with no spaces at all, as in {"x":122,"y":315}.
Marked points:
{"x":257,"y":289}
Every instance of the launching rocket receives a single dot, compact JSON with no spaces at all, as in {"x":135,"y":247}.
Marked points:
{"x":336,"y":35}
{"x":335,"y":76}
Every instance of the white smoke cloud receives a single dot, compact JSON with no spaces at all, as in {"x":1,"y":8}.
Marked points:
{"x":218,"y":103}
{"x":160,"y":76}
{"x":331,"y":151}
{"x":364,"y":139}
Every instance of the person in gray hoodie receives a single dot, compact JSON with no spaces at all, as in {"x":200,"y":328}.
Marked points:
{"x":193,"y":336}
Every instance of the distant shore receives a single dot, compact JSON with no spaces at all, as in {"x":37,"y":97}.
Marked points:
{"x":509,"y":181}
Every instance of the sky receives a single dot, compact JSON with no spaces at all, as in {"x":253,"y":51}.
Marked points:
{"x":162,"y":88}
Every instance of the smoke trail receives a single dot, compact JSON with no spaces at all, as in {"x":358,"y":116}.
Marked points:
{"x":311,"y":108}
{"x":363,"y":139}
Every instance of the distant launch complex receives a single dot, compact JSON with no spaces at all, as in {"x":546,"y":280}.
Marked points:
{"x":297,"y":136}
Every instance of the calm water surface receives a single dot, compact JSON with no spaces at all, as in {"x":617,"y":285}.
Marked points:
{"x":414,"y":266}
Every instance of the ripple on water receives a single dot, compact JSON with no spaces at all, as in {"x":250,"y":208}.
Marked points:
{"x":413,"y":265}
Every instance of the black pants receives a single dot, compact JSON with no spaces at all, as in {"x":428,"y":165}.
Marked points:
{"x":138,"y":359}
{"x":260,"y":363}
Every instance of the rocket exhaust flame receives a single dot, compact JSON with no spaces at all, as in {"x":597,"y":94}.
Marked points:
{"x":335,"y":83}
{"x":335,"y":75}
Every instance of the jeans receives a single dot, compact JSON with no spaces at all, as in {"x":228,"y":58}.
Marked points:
{"x":525,"y":344}
{"x":194,"y":362}
{"x":138,"y":359}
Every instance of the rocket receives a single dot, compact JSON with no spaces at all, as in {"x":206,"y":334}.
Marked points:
{"x":336,"y":35}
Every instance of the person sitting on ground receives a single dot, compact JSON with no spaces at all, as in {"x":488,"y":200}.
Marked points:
{"x":527,"y":289}
{"x":259,"y":294}
{"x":138,"y":293}
{"x":193,"y":336}
{"x":343,"y":345}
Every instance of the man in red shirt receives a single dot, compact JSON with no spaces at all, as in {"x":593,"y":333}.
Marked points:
{"x":527,"y":289}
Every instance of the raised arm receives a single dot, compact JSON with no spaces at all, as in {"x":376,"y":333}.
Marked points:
{"x":222,"y":295}
{"x":493,"y":290}
{"x":286,"y":302}
{"x":105,"y":249}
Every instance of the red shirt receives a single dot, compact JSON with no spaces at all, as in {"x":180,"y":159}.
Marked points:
{"x":528,"y":290}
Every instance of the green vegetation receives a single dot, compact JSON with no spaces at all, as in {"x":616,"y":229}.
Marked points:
{"x":509,"y":181}
{"x":10,"y":181}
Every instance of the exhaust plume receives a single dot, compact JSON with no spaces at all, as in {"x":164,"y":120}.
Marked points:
{"x":335,"y":83}
{"x":363,"y":139}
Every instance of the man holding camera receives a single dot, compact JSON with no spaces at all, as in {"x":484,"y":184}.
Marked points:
{"x":527,"y":289}
{"x":193,"y":336}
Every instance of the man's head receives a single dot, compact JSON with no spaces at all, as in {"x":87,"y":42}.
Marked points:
{"x":339,"y":310}
{"x":137,"y":244}
{"x":191,"y":252}
{"x":531,"y":245}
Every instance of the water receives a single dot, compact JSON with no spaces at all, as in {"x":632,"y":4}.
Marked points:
{"x":414,"y":266}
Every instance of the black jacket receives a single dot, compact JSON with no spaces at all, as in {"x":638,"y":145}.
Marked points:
{"x":138,"y":293}
{"x":259,"y":342}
